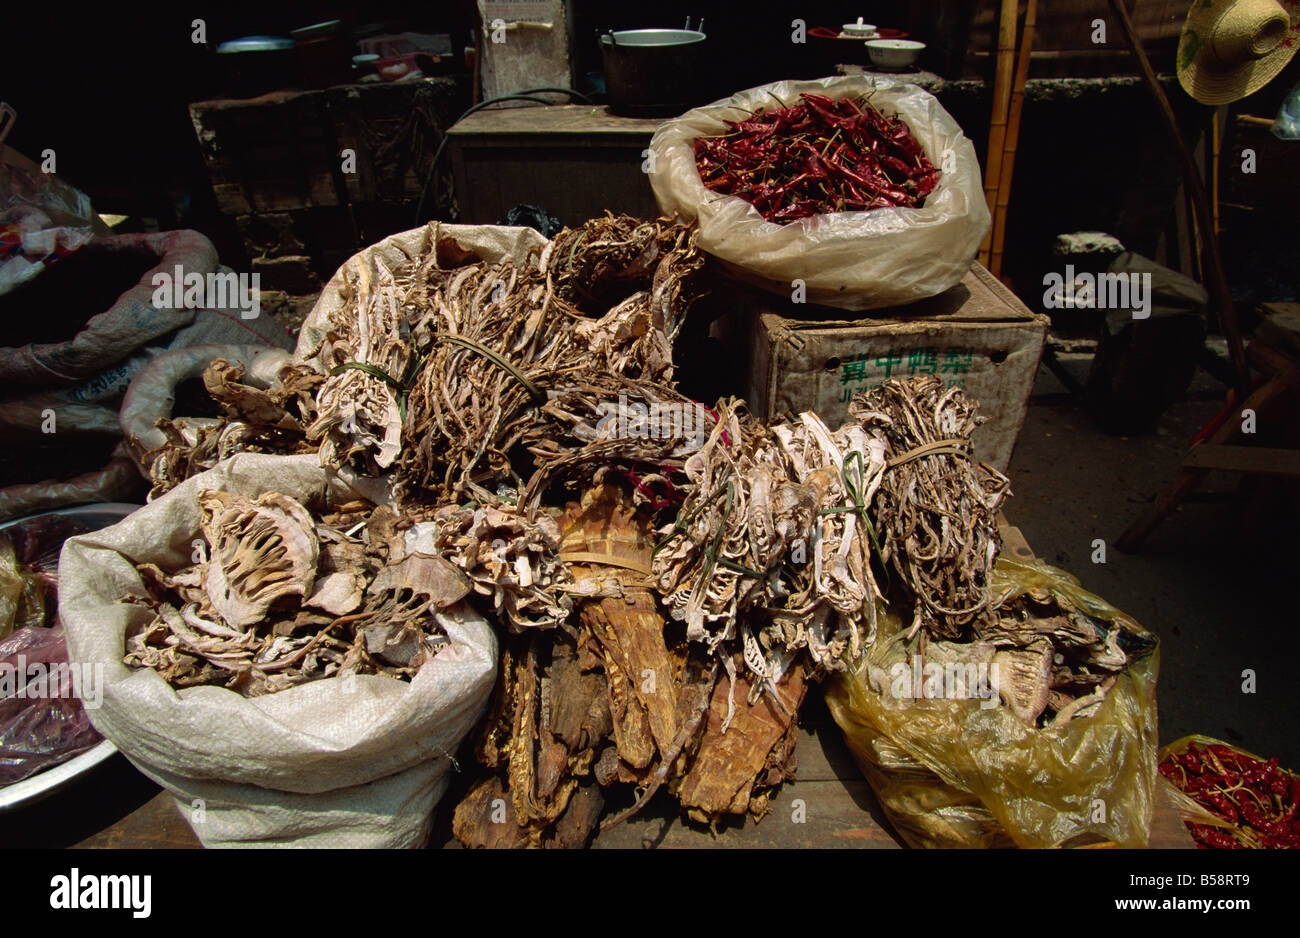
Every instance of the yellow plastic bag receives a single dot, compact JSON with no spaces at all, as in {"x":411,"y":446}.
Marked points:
{"x":949,"y":773}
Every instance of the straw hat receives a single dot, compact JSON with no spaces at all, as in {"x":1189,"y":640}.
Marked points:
{"x":1231,"y":48}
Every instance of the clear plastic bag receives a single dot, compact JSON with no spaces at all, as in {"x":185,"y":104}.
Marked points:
{"x":42,"y":219}
{"x":37,"y":732}
{"x":950,"y":774}
{"x":849,"y":260}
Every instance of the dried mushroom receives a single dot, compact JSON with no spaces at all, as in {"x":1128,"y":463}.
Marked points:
{"x":267,"y":607}
{"x":262,"y":550}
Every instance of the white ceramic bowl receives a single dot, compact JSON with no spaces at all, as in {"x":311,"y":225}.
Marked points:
{"x":858,"y":30}
{"x":894,"y":53}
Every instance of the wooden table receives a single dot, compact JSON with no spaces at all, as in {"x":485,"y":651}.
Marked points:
{"x":118,"y":807}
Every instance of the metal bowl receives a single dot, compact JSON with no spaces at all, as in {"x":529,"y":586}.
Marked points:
{"x":652,"y":37}
{"x":651,"y":72}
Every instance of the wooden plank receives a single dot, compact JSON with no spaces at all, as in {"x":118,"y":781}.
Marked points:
{"x":1013,"y":541}
{"x":1269,"y":360}
{"x":157,"y":824}
{"x":1255,"y":460}
{"x":825,"y":814}
{"x":1280,"y":327}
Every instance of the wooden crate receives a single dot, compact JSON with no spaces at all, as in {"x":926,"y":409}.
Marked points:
{"x":575,"y":161}
{"x":276,"y":163}
{"x":977,"y":336}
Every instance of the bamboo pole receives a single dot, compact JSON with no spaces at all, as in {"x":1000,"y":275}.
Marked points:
{"x":1218,"y":114}
{"x":998,"y":121}
{"x":1212,"y":261}
{"x":1012,"y":137}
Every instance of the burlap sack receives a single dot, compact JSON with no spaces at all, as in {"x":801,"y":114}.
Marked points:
{"x":356,"y":762}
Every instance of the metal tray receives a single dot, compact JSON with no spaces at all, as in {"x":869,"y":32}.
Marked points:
{"x":48,"y":781}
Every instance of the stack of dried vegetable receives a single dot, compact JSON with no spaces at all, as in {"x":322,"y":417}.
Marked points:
{"x":775,"y":542}
{"x":471,"y":386}
{"x":821,"y":155}
{"x":481,"y":391}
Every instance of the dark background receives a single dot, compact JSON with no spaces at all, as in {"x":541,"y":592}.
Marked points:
{"x":106,"y":86}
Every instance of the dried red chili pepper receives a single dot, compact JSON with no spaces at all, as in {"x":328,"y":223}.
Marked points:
{"x":1261,"y":799}
{"x":1207,"y":836}
{"x":819,"y":156}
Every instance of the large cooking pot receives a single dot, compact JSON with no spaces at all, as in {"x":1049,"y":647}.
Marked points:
{"x":654,"y":71}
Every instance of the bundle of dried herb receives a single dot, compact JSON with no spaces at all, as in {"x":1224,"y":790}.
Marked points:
{"x":936,"y":506}
{"x":771,"y":554}
{"x":506,"y":340}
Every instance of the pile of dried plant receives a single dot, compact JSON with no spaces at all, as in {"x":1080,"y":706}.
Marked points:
{"x":255,"y":421}
{"x":486,"y":391}
{"x":278,"y":598}
{"x":936,"y":506}
{"x":613,"y":698}
{"x":1055,"y":663}
{"x":475,"y":386}
{"x":771,"y":553}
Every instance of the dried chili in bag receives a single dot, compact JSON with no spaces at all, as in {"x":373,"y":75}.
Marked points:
{"x":847,"y":259}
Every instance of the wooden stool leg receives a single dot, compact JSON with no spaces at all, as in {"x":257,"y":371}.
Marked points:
{"x":1228,"y":431}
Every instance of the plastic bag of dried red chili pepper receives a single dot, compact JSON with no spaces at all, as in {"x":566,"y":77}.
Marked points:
{"x":865,"y":189}
{"x":1251,"y":802}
